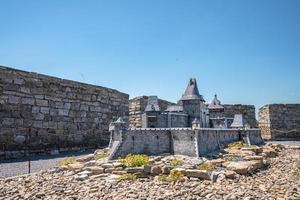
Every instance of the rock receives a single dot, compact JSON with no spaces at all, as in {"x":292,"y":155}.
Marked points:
{"x":108,"y":170}
{"x":230,"y":174}
{"x":217,"y":162}
{"x":95,"y":170}
{"x":166,"y":169}
{"x":249,"y":158}
{"x":133,"y":170}
{"x":147,"y":169}
{"x":107,"y":165}
{"x":76,"y":167}
{"x":90,"y":163}
{"x":195,"y":173}
{"x":156,"y":170}
{"x":81,"y":177}
{"x":269,"y":153}
{"x":256,"y":150}
{"x":86,"y":158}
{"x":243,"y":167}
{"x":86,"y":172}
{"x":119,"y":172}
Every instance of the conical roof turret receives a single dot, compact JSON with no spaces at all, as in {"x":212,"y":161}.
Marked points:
{"x":192,"y":92}
{"x":216,"y":103}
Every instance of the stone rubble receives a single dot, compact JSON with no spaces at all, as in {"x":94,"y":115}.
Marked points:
{"x":259,"y":176}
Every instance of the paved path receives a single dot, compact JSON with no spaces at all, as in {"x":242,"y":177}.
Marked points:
{"x":38,"y":163}
{"x":287,"y":143}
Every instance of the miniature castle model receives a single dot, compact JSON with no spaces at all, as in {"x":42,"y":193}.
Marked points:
{"x":190,"y":128}
{"x":190,"y":107}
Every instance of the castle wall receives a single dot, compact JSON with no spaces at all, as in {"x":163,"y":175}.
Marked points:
{"x":183,"y":141}
{"x":248,"y":112}
{"x":210,"y":140}
{"x":55,"y":112}
{"x":137,"y":107}
{"x":142,"y":141}
{"x":280,"y":121}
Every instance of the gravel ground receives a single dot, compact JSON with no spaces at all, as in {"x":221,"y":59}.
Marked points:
{"x":279,"y":181}
{"x":38,"y":163}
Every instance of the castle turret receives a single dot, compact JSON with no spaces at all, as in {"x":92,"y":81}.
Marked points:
{"x":194,"y":104}
{"x":152,"y":112}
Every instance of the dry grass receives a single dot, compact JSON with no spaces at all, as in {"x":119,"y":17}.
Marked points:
{"x":67,"y":161}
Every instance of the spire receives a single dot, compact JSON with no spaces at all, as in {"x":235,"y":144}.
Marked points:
{"x":216,"y":103}
{"x":192,"y":91}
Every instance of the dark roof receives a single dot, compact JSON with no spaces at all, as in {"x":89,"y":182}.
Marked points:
{"x":152,"y":104}
{"x":215,"y":104}
{"x":192,"y":92}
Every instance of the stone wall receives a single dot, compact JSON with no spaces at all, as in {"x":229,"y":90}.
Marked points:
{"x":55,"y":113}
{"x":280,"y":121}
{"x":248,"y":112}
{"x":137,"y":107}
{"x":182,"y":141}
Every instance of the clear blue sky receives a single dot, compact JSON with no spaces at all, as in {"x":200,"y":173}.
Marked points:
{"x":245,"y":51}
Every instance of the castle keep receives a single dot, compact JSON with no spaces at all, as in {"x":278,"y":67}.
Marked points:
{"x":190,"y":107}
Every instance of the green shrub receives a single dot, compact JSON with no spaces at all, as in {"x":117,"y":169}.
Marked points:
{"x":67,"y":161}
{"x":127,"y":177}
{"x":135,"y":160}
{"x":207,"y":166}
{"x":175,"y":176}
{"x":176,"y":162}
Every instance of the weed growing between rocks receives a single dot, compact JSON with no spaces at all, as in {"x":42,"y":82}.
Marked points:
{"x":176,"y":162}
{"x":127,"y":177}
{"x":175,"y":176}
{"x":207,"y":167}
{"x":67,"y":161}
{"x":135,"y":160}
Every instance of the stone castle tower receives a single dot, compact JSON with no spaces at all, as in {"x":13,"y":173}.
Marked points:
{"x":194,"y":105}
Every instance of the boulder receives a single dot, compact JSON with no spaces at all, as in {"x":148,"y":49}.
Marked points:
{"x":166,"y":169}
{"x":230,"y":174}
{"x":269,"y":153}
{"x":249,"y":158}
{"x":217,"y":162}
{"x":195,"y":173}
{"x":256,"y":150}
{"x":133,"y":170}
{"x":107,"y":165}
{"x":156,"y":170}
{"x":96,"y":170}
{"x":86,"y":158}
{"x":76,"y":167}
{"x":243,"y":167}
